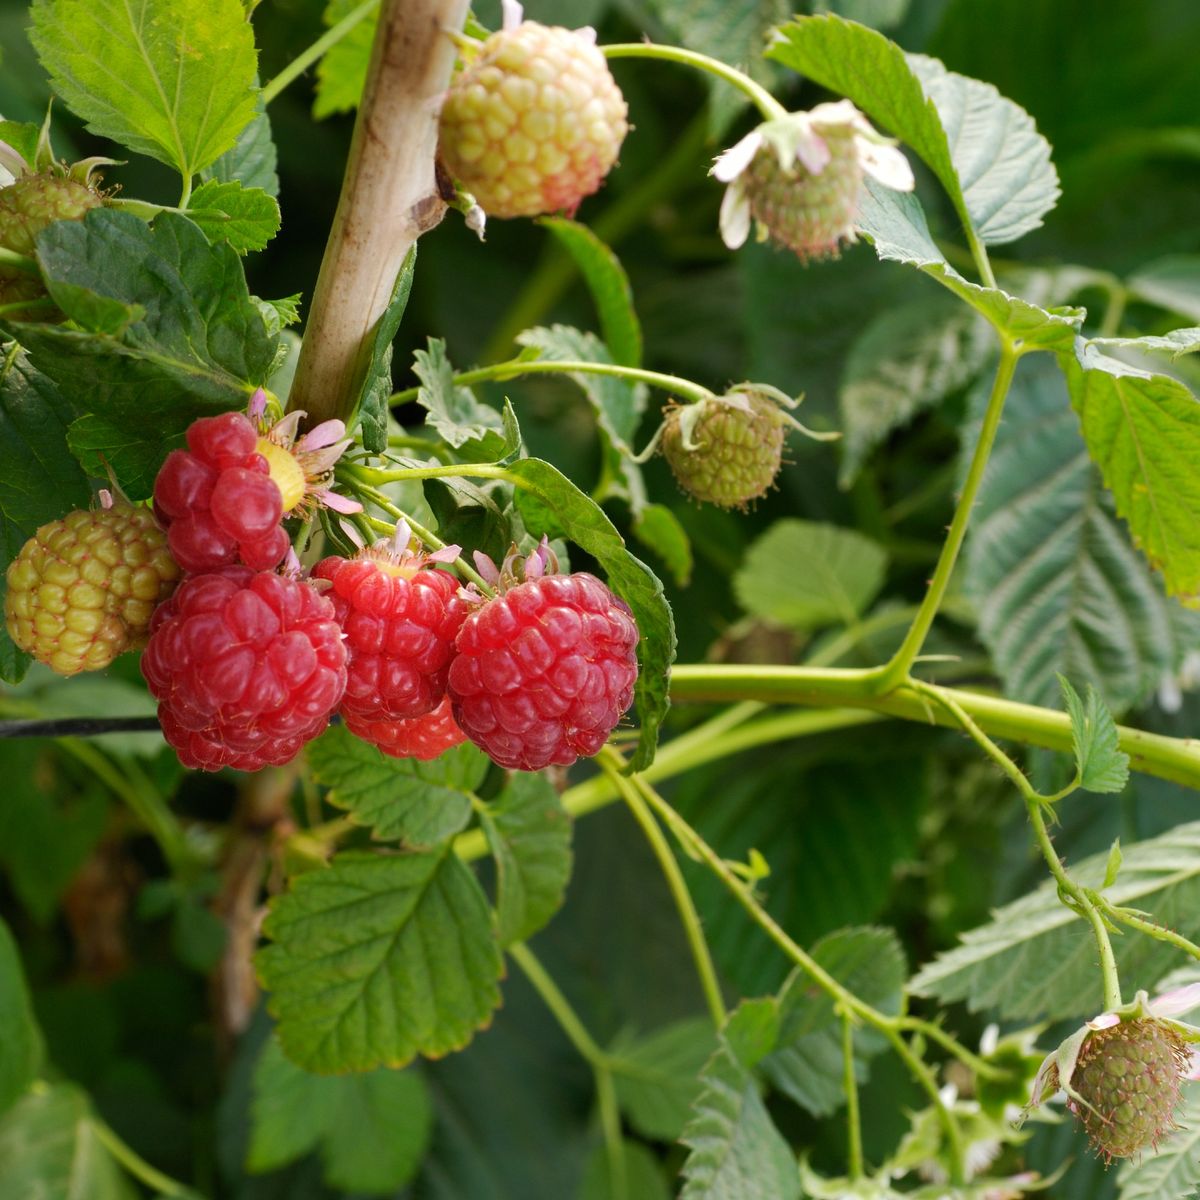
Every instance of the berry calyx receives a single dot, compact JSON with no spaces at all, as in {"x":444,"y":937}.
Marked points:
{"x":1126,"y":1085}
{"x":246,"y":666}
{"x":83,"y":589}
{"x":545,"y":670}
{"x":534,"y":122}
{"x":400,"y":614}
{"x":423,"y":737}
{"x":726,"y":450}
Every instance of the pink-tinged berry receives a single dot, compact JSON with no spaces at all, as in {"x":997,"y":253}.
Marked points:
{"x":246,"y":666}
{"x":800,"y":177}
{"x":544,"y":670}
{"x":400,"y":615}
{"x":417,"y":737}
{"x":27,"y":206}
{"x":534,"y":122}
{"x":83,"y":589}
{"x":726,"y":450}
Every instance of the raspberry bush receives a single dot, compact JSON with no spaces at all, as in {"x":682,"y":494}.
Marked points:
{"x":497,"y":742}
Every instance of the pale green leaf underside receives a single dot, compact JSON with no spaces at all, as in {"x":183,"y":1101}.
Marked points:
{"x":644,"y":1179}
{"x":1143,"y":431}
{"x":1037,"y":960}
{"x":169,"y":78}
{"x":379,"y":958}
{"x":1176,"y":344}
{"x":1101,"y":764}
{"x":401,"y":799}
{"x":1056,"y":584}
{"x":1172,"y":283}
{"x":21,"y":1044}
{"x":1172,"y":1171}
{"x":804,"y":574}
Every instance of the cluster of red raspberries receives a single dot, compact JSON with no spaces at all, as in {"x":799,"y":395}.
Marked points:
{"x":248,"y":659}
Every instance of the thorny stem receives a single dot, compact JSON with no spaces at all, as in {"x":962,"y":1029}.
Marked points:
{"x":323,"y":44}
{"x":684,"y":903}
{"x":569,"y":1022}
{"x":1160,"y":932}
{"x":850,"y":1084}
{"x":935,"y":1033}
{"x":770,"y":108}
{"x":512,"y":369}
{"x":138,"y":1167}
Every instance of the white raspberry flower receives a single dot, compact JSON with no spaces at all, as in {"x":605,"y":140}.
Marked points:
{"x":801,"y":178}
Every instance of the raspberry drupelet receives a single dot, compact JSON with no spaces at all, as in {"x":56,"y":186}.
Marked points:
{"x":417,"y":737}
{"x":544,"y":670}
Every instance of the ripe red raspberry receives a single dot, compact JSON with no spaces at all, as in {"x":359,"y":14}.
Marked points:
{"x":83,"y":589}
{"x":217,"y":498}
{"x":534,"y":123}
{"x":400,"y":618}
{"x":545,"y":670}
{"x":418,"y":737}
{"x":246,"y":666}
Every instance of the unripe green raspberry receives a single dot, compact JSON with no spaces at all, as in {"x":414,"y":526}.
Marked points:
{"x":26,"y":208}
{"x":726,"y":450}
{"x":83,"y":589}
{"x":1129,"y":1079}
{"x":534,"y":123}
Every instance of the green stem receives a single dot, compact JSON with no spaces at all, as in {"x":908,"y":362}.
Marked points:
{"x":610,"y":1123}
{"x":1152,"y":928}
{"x":677,"y":885}
{"x":935,"y":1033}
{"x":980,"y":256}
{"x":853,"y":1121}
{"x":770,"y":108}
{"x":137,"y":1166}
{"x":515,"y":368}
{"x":19,"y":262}
{"x":896,"y":671}
{"x":1118,"y":298}
{"x":41,"y":304}
{"x":186,"y":194}
{"x":1175,"y":759}
{"x":324,"y":43}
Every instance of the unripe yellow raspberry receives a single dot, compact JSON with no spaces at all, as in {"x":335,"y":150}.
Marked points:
{"x":534,"y":123}
{"x":83,"y":588}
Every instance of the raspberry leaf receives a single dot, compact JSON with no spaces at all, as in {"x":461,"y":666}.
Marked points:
{"x":399,"y":799}
{"x":1143,"y":431}
{"x":643,"y":1174}
{"x":342,"y":72}
{"x":1172,"y":283}
{"x":22,"y":1052}
{"x":252,"y":160}
{"x":476,"y":429}
{"x":246,"y":218}
{"x":372,"y":1130}
{"x":529,"y":835}
{"x":585,"y":523}
{"x":1175,"y":344}
{"x":1101,"y":765}
{"x":166,"y":78}
{"x":658,"y":528}
{"x":380,"y":958}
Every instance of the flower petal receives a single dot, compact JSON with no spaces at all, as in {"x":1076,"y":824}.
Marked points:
{"x":812,"y":150}
{"x":321,"y":435}
{"x":513,"y":12}
{"x":885,"y":163}
{"x":1193,"y":1071}
{"x":587,"y":33}
{"x":1177,"y":1001}
{"x":730,"y":164}
{"x":1104,"y":1021}
{"x":836,"y":112}
{"x":735,"y":216}
{"x":342,"y":504}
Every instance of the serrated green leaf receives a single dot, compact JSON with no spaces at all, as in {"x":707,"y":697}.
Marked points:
{"x":372,"y":1130}
{"x":1054,"y":579}
{"x":1170,"y":1170}
{"x":736,"y":1153}
{"x":529,"y":834}
{"x":133,"y":457}
{"x":1101,"y":764}
{"x":1172,"y":283}
{"x":21,"y":1049}
{"x":379,"y":958}
{"x":657,"y":527}
{"x":463,"y":421}
{"x":1176,"y":344}
{"x":252,"y":160}
{"x":1143,"y":431}
{"x":644,"y":1178}
{"x":657,"y":1076}
{"x":609,"y":286}
{"x":39,"y":479}
{"x":804,"y":574}
{"x":22,"y":136}
{"x":751,"y":1031}
{"x":1005,"y":966}
{"x":895,"y":224}
{"x":879,"y":14}
{"x":907,"y":359}
{"x":401,"y":799}
{"x":584,"y":522}
{"x":372,"y":405}
{"x":983,"y":148}
{"x":617,"y":403}
{"x":807,"y":1065}
{"x":49,"y":1149}
{"x":200,"y":348}
{"x":342,"y":72}
{"x":246,"y":218}
{"x":167,"y":78}
{"x":279,"y":314}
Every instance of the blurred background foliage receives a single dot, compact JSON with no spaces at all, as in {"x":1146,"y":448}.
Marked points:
{"x":133,"y":953}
